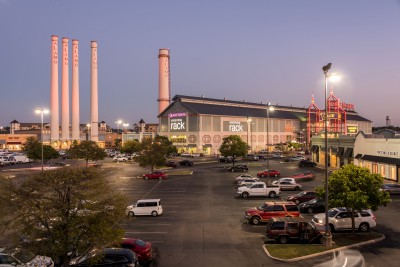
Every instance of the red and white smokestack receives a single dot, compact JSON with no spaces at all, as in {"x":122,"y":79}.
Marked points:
{"x":54,"y":115}
{"x":163,"y":82}
{"x":94,"y":99}
{"x":65,"y":91}
{"x":75,"y":90}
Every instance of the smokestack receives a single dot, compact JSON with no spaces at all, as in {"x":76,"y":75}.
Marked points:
{"x":54,"y":116}
{"x":94,"y":102}
{"x":164,"y":84}
{"x":75,"y":90}
{"x":65,"y":91}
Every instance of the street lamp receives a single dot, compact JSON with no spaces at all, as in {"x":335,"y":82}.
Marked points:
{"x":41,"y":112}
{"x":269,"y":108}
{"x":126,"y":125}
{"x":118,"y":122}
{"x":88,"y":131}
{"x":251,"y":137}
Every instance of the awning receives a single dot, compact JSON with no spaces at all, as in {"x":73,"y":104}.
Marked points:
{"x":14,"y":143}
{"x":207,"y":145}
{"x":358,"y":156}
{"x":340,"y":152}
{"x":191,"y":145}
{"x":348,"y":153}
{"x":394,"y":161}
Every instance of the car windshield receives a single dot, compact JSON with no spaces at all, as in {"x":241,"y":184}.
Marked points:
{"x":332,"y":213}
{"x":24,"y":256}
{"x":140,"y":243}
{"x":301,"y":194}
{"x":262,"y":207}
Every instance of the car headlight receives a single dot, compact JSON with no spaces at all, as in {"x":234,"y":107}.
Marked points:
{"x":320,"y":221}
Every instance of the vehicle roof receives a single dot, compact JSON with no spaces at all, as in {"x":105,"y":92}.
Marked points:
{"x":288,"y":219}
{"x":148,"y":200}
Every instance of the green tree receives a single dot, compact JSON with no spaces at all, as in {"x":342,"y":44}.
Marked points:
{"x":233,"y":146}
{"x":87,"y":150}
{"x":355,"y":188}
{"x":62,"y":211}
{"x":130,"y":147}
{"x":171,"y":149}
{"x":33,"y":149}
{"x":151,"y":154}
{"x":118,"y":142}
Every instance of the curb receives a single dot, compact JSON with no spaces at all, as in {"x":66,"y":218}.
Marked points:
{"x":324,"y":252}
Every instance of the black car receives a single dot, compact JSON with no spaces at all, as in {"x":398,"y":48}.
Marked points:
{"x":171,"y":163}
{"x":316,"y":205}
{"x":107,"y":257}
{"x":186,"y":163}
{"x":238,"y":168}
{"x":307,"y":163}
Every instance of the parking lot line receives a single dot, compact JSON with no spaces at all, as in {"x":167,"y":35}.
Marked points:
{"x":146,"y":232}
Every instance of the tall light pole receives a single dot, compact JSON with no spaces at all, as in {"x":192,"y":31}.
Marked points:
{"x":248,"y":128}
{"x":118,"y":122}
{"x":251,"y":137}
{"x":269,"y":108}
{"x":88,"y":131}
{"x":41,"y":112}
{"x":328,"y":236}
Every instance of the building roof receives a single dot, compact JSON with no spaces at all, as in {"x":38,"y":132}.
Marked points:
{"x":223,"y":107}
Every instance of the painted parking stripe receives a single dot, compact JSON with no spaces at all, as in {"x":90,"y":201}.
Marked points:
{"x":146,"y":232}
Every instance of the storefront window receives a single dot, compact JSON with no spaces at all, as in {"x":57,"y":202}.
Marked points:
{"x":178,"y":139}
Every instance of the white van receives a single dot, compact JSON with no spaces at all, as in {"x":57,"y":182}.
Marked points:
{"x":145,"y":207}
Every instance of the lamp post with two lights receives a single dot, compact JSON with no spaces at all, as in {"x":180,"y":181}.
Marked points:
{"x":42,"y":112}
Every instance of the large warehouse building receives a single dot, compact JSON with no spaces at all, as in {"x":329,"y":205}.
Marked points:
{"x":198,"y":124}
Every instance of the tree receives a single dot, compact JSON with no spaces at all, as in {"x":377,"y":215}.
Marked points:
{"x":233,"y":146}
{"x":130,"y":147}
{"x":171,"y":149}
{"x":355,"y":188}
{"x":87,"y":150}
{"x":151,"y":154}
{"x":33,"y":149}
{"x":118,"y":142}
{"x":62,"y":212}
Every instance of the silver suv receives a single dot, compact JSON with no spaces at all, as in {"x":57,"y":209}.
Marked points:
{"x":340,"y":219}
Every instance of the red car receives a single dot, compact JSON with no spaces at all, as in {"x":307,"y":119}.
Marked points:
{"x":302,"y":197}
{"x":142,"y":249}
{"x":155,"y":175}
{"x":269,"y":173}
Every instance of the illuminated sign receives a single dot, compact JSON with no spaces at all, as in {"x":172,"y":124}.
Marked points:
{"x":177,"y":124}
{"x":173,"y":115}
{"x":352,"y":129}
{"x":235,"y":126}
{"x":346,"y":106}
{"x":388,"y":153}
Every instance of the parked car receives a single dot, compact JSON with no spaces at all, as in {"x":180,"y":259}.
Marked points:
{"x":226,"y":159}
{"x":186,"y":163}
{"x":307,"y":163}
{"x":155,"y":175}
{"x":316,"y":205}
{"x":271,"y":209}
{"x":297,"y":158}
{"x":302,"y":197}
{"x":142,"y":249}
{"x":258,"y":189}
{"x":238,"y":168}
{"x":20,"y":257}
{"x":242,"y":177}
{"x":340,"y":219}
{"x":391,"y":188}
{"x":107,"y":257}
{"x":286,"y":185}
{"x":247,"y":182}
{"x":285,"y":229}
{"x":151,"y":207}
{"x":303,"y":176}
{"x":120,"y":159}
{"x":171,"y":163}
{"x":286,"y":179}
{"x":269,"y":173}
{"x":277,"y":156}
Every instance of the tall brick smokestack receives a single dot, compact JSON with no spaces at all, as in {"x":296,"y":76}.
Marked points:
{"x":94,"y":99}
{"x":54,"y":115}
{"x":75,"y":91}
{"x":163,"y":82}
{"x":65,"y":90}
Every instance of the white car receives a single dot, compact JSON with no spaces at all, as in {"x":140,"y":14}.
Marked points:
{"x":340,"y":219}
{"x":286,"y":179}
{"x":120,"y":159}
{"x":242,"y":177}
{"x":297,"y":158}
{"x":247,"y":182}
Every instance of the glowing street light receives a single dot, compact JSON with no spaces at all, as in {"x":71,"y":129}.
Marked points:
{"x":88,"y":131}
{"x":269,"y":108}
{"x":118,"y":122}
{"x":41,"y":112}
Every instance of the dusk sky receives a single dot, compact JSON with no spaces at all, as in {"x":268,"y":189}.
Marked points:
{"x":258,"y":51}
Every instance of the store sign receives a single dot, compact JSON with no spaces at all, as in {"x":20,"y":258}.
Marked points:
{"x":173,"y":115}
{"x":352,"y":129}
{"x":387,"y":153}
{"x":177,"y":124}
{"x":235,"y":126}
{"x":346,"y":106}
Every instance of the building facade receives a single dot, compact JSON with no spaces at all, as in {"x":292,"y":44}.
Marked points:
{"x":198,"y":124}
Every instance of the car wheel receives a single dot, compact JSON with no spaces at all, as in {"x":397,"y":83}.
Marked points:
{"x":272,"y":194}
{"x":245,"y":195}
{"x":297,"y":202}
{"x":131,"y":214}
{"x":154,"y":213}
{"x":331,"y":228}
{"x":364,"y":227}
{"x":255,"y":220}
{"x":283,"y":239}
{"x":309,"y":210}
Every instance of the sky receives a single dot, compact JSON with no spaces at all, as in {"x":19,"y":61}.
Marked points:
{"x":257,"y":51}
